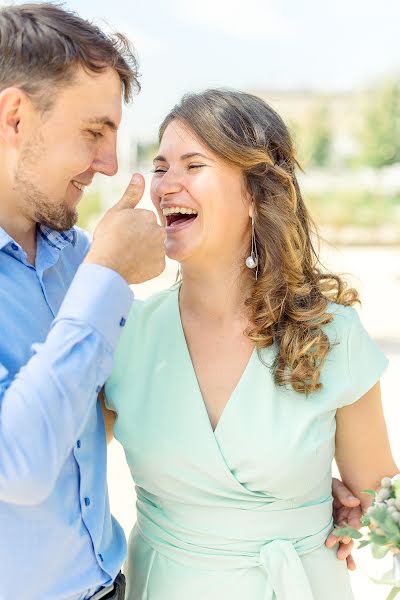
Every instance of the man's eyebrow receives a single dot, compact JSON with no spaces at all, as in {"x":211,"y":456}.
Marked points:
{"x":183,"y":157}
{"x":102,"y":121}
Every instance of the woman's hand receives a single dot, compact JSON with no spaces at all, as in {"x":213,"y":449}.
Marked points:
{"x":109,"y":418}
{"x":346,"y":509}
{"x":363,"y":456}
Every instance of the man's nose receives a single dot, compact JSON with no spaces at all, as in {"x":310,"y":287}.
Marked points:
{"x":105,"y":160}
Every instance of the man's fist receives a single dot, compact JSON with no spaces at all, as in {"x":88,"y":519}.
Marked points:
{"x":129,"y":239}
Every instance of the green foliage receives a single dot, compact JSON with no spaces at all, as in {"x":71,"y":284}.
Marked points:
{"x":314,"y":137}
{"x":89,"y":208}
{"x":358,"y":208}
{"x":146,"y":152}
{"x":379,"y":551}
{"x":320,"y":138}
{"x":396,"y":487}
{"x":347,"y":532}
{"x":393,"y":593}
{"x":380,"y":136}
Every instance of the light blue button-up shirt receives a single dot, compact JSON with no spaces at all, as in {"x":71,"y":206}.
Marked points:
{"x":59,"y":325}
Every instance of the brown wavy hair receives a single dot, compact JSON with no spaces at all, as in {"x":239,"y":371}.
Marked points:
{"x":289,"y":301}
{"x":42,"y":45}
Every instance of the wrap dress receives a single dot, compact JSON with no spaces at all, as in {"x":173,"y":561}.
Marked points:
{"x":242,"y":512}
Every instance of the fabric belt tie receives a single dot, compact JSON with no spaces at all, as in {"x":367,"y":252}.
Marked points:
{"x":268,"y":538}
{"x":286,"y":576}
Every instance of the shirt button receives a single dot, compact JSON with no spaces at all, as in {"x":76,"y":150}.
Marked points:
{"x":87,"y":501}
{"x":122,"y":322}
{"x":78,"y":443}
{"x":15,"y":247}
{"x":98,"y":389}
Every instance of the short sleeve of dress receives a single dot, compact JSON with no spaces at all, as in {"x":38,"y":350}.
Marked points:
{"x":123,"y":355}
{"x":366,"y":362}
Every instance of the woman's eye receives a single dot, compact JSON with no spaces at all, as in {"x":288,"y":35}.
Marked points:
{"x":159,"y":170}
{"x":195,"y":166}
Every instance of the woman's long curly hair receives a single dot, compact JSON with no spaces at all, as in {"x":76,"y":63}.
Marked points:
{"x":289,"y":302}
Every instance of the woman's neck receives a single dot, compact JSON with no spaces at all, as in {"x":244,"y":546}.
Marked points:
{"x":216,"y":294}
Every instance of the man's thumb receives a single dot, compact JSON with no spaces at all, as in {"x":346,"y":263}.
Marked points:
{"x":132,"y":194}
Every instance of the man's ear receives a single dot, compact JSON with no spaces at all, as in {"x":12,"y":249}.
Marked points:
{"x":14,"y":103}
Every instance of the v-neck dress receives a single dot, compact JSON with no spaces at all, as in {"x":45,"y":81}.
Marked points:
{"x":242,"y":512}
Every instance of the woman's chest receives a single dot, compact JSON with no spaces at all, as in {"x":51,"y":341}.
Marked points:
{"x":268,"y":440}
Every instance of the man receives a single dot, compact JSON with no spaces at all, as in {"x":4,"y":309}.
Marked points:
{"x":63,"y":304}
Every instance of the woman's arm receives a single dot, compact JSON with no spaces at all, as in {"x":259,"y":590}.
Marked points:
{"x":363,"y":453}
{"x":109,"y":418}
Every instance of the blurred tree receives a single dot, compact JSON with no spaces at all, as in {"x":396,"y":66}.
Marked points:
{"x":313,"y":137}
{"x":320,"y":138}
{"x":146,"y":152}
{"x":380,"y":136}
{"x":89,"y":209}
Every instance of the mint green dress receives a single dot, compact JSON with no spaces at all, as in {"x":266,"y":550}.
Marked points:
{"x":242,"y":512}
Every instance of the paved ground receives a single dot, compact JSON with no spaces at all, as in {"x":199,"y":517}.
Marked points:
{"x":377,"y":274}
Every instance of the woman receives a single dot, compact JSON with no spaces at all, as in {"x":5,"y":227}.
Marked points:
{"x":230,"y":387}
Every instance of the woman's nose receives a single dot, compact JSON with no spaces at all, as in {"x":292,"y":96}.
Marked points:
{"x":169,"y":183}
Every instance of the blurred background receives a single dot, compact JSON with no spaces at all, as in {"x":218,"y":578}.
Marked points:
{"x":332,"y":70}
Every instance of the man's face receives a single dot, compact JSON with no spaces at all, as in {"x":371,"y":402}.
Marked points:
{"x":66,"y":147}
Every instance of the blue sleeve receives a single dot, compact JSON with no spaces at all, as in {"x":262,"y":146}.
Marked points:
{"x":45,"y":407}
{"x":123,"y":354}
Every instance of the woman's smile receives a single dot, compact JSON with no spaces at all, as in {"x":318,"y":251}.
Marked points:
{"x":178,"y":217}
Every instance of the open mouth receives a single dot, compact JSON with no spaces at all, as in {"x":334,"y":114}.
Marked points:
{"x":177,"y":217}
{"x":79,"y":186}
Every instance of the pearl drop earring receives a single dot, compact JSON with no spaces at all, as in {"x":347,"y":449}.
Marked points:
{"x":252,"y":260}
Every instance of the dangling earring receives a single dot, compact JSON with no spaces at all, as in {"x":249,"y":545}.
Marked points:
{"x":252,"y":260}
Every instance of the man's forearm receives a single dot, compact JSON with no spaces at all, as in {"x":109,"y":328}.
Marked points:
{"x":45,"y":407}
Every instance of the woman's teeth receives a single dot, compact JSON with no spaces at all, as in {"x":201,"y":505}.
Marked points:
{"x":175,"y":210}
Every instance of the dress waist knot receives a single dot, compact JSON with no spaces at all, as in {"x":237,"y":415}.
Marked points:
{"x":231,"y":538}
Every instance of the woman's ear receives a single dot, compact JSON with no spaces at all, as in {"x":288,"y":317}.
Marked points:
{"x":252,"y":209}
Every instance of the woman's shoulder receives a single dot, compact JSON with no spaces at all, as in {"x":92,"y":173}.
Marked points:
{"x":342,"y":313}
{"x":344,"y":319}
{"x":154,"y":306}
{"x":355,"y":362}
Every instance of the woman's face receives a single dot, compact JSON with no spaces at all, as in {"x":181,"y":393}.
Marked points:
{"x":201,"y":201}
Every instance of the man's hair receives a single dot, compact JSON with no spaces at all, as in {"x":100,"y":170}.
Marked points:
{"x":42,"y":45}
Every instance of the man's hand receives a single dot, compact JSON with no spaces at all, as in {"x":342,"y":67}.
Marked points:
{"x":346,"y":509}
{"x":129,"y":239}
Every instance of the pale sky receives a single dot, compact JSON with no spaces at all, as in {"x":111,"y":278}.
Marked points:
{"x":188,"y":45}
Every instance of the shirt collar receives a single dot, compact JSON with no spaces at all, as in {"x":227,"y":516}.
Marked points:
{"x":55,"y":239}
{"x":4,"y":238}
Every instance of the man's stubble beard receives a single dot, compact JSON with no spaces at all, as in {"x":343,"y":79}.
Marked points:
{"x":36,"y":203}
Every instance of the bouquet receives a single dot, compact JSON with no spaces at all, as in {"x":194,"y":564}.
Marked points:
{"x":383,"y":522}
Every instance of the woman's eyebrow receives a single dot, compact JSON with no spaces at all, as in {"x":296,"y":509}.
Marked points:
{"x":183,"y":157}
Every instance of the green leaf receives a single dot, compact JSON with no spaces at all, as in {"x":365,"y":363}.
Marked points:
{"x":390,"y":527}
{"x":370,"y":492}
{"x":380,"y":540}
{"x":379,"y":551}
{"x":396,"y":487}
{"x":363,"y":543}
{"x":393,"y":593}
{"x":348,"y":532}
{"x":379,"y":515}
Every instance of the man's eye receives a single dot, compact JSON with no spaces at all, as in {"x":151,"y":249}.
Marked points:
{"x":96,"y":134}
{"x":159,"y":170}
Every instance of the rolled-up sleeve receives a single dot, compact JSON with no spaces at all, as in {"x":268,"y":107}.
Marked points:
{"x":45,"y":406}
